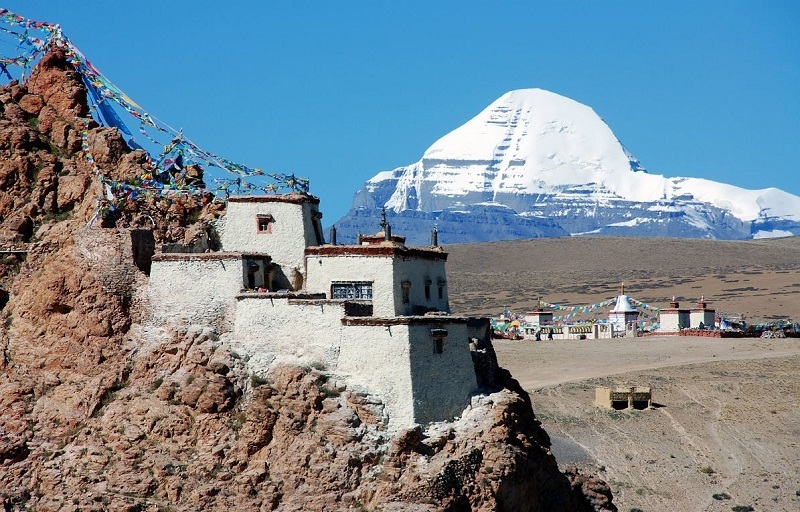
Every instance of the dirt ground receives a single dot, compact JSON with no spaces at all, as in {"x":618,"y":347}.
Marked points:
{"x":724,"y":431}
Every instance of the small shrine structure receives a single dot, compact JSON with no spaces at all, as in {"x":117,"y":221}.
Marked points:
{"x":702,"y":317}
{"x":673,"y":318}
{"x":623,"y":317}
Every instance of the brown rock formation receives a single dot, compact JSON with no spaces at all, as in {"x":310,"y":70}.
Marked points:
{"x":59,"y":86}
{"x":103,"y":413}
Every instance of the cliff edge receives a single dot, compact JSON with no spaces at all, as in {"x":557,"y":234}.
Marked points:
{"x":105,"y":411}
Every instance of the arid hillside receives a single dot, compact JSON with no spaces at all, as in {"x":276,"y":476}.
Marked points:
{"x":723,"y":432}
{"x":760,"y":278}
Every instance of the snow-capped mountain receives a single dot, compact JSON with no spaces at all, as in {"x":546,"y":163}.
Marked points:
{"x":536,"y":164}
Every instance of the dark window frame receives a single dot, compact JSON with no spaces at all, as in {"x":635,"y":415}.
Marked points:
{"x":405,"y":289}
{"x":352,"y":290}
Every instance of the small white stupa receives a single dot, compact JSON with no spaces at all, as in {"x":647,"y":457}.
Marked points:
{"x":623,"y":313}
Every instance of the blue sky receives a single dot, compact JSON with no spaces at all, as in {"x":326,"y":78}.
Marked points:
{"x":337,"y":91}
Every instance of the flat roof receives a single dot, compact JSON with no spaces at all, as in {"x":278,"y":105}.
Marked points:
{"x":405,"y":320}
{"x":304,"y":296}
{"x":294,"y":197}
{"x":387,"y":250}
{"x":207,"y":256}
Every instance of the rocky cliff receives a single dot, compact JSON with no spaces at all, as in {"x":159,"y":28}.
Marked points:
{"x":102,"y":410}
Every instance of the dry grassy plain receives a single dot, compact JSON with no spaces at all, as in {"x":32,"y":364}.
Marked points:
{"x":727,"y":424}
{"x":760,"y":278}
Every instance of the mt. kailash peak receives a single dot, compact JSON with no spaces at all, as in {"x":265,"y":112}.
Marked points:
{"x":536,"y":164}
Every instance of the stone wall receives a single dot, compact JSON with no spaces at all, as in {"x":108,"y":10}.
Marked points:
{"x":417,"y":272}
{"x":673,"y":320}
{"x":394,"y":359}
{"x":442,"y":382}
{"x":706,"y":316}
{"x":397,"y":359}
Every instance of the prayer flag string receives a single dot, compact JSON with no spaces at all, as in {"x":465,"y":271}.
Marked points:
{"x":166,"y":171}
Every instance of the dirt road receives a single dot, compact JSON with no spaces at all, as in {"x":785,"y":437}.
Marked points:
{"x":538,"y":364}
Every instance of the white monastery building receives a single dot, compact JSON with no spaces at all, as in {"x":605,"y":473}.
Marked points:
{"x":376,"y":312}
{"x":674,"y":318}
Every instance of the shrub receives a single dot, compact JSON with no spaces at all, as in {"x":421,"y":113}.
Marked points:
{"x":257,"y":380}
{"x":237,"y":420}
{"x":329,"y":392}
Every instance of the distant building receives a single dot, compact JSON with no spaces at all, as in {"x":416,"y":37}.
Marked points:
{"x":538,"y":317}
{"x":624,"y":397}
{"x":539,"y":323}
{"x":674,"y":318}
{"x":702,"y":317}
{"x":623,"y":317}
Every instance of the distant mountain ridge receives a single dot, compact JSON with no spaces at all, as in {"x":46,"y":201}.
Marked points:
{"x":536,"y":164}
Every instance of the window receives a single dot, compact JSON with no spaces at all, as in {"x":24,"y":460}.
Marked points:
{"x":405,"y":286}
{"x":264,"y":223}
{"x":441,"y":283}
{"x":438,"y":336}
{"x":427,"y":289}
{"x":351,"y":290}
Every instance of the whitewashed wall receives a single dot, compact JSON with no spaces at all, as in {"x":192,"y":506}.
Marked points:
{"x":270,"y":328}
{"x":195,"y":290}
{"x":387,"y":274}
{"x":416,"y":270}
{"x":705,"y":316}
{"x":292,"y":230}
{"x":670,"y":321}
{"x":377,"y":358}
{"x":442,"y":383}
{"x":393,"y":362}
{"x":619,"y":321}
{"x":323,"y":270}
